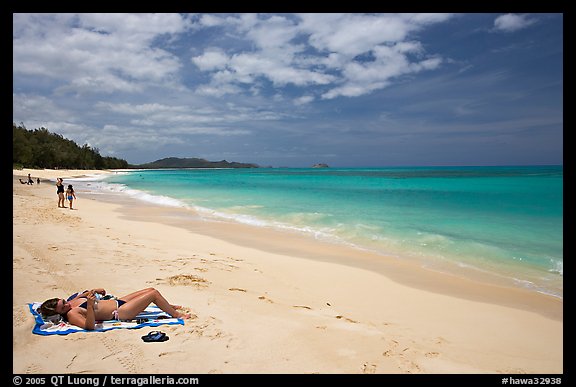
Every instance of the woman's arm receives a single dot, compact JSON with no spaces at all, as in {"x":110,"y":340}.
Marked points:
{"x":85,"y":293}
{"x":90,"y":314}
{"x":99,"y":291}
{"x":76,"y":317}
{"x":76,"y":295}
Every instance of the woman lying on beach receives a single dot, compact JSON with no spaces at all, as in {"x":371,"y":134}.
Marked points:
{"x":82,"y":309}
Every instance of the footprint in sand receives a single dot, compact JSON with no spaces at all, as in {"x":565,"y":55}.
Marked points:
{"x":19,"y":316}
{"x":237,"y":289}
{"x":390,"y":352}
{"x":346,"y":319}
{"x":34,"y":369}
{"x":186,"y":280}
{"x":441,"y":340}
{"x":265,"y":299}
{"x":169,"y":353}
{"x":512,"y":371}
{"x":302,"y":306}
{"x":368,"y":368}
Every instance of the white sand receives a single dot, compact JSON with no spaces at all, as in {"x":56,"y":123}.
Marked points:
{"x":258,"y":309}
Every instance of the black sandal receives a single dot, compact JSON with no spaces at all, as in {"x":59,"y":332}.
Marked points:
{"x":155,"y":336}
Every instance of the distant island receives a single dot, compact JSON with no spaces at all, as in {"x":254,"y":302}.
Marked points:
{"x":175,"y":162}
{"x":320,"y":165}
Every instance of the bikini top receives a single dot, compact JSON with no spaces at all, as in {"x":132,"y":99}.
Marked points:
{"x":84,"y":304}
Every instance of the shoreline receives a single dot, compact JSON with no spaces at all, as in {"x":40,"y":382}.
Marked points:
{"x":296,"y":285}
{"x":477,"y":287}
{"x":448,"y":279}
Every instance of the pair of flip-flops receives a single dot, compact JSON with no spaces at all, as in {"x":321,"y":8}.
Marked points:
{"x":155,"y":336}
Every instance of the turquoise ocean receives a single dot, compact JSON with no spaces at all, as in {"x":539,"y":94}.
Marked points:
{"x":502,"y":221}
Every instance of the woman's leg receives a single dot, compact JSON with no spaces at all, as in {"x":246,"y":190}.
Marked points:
{"x":143,"y":291}
{"x":136,"y":294}
{"x":138,"y":301}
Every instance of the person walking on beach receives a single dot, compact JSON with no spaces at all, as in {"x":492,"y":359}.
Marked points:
{"x":82,"y":309}
{"x":60,"y":192}
{"x":30,"y":181}
{"x":70,"y":195}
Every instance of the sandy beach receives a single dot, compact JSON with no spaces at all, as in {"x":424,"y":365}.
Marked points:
{"x":262,"y":302}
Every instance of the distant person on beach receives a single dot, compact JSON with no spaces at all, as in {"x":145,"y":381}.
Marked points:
{"x":30,"y":181}
{"x":60,"y":192}
{"x":84,"y":309}
{"x":38,"y":181}
{"x":70,"y":195}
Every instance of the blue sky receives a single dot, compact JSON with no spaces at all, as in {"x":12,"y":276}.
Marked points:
{"x":297,"y":89}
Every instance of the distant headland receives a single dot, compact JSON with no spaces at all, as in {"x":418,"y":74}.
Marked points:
{"x":175,"y":162}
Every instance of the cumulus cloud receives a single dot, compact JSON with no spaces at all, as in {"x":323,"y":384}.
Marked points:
{"x":102,"y":59}
{"x":337,"y":54}
{"x":340,"y":54}
{"x":303,"y":100}
{"x":512,"y":22}
{"x":36,"y":108}
{"x":89,"y":53}
{"x":211,"y":59}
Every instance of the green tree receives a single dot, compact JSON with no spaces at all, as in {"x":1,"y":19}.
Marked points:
{"x":39,"y":148}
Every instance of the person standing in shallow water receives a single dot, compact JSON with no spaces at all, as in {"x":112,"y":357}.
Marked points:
{"x":70,"y":195}
{"x":60,"y":192}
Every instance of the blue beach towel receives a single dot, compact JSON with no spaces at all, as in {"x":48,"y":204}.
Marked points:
{"x":154,"y":315}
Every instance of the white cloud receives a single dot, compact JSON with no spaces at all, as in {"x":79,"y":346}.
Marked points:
{"x":248,"y":66}
{"x":303,"y":100}
{"x":89,"y":53}
{"x":330,"y":51}
{"x":137,"y":28}
{"x":512,"y":22}
{"x":352,"y":89}
{"x":130,"y":109}
{"x":37,"y":109}
{"x":211,"y":20}
{"x":97,"y":58}
{"x":274,"y":33}
{"x":390,"y":62}
{"x":211,"y":59}
{"x":351,"y":34}
{"x":215,"y":90}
